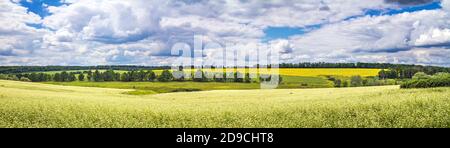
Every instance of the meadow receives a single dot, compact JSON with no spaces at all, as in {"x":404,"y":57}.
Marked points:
{"x":143,"y":88}
{"x":291,"y":78}
{"x":24,"y":104}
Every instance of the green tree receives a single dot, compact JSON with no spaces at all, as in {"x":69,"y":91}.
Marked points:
{"x":151,"y":76}
{"x":33,"y":77}
{"x":89,"y":75}
{"x":108,"y":75}
{"x":247,"y":78}
{"x":57,"y":77}
{"x":421,"y":75}
{"x":141,"y":75}
{"x":165,"y":76}
{"x":125,"y":77}
{"x":134,"y":75}
{"x":238,"y":77}
{"x":337,"y":83}
{"x":81,"y":77}
{"x":199,"y":76}
{"x":96,"y":76}
{"x":71,"y":77}
{"x":64,"y":76}
{"x":117,"y":76}
{"x":24,"y":79}
{"x":345,"y":84}
{"x":356,"y":81}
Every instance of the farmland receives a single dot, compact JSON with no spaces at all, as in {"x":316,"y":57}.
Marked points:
{"x":24,"y":104}
{"x":305,"y":72}
{"x":329,"y":71}
{"x":291,"y":78}
{"x":312,"y":72}
{"x":166,"y":87}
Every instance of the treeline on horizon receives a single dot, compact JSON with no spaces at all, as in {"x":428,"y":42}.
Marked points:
{"x":400,"y":68}
{"x":26,"y":69}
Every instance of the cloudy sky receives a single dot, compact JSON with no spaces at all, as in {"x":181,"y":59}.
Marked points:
{"x":142,"y":32}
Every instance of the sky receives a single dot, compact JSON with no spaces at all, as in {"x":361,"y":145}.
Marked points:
{"x":142,"y":32}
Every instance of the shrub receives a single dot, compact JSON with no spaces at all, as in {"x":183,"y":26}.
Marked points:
{"x":421,"y":75}
{"x":337,"y":82}
{"x":437,"y":80}
{"x":345,"y":84}
{"x":356,"y":81}
{"x":165,"y":76}
{"x":25,"y":79}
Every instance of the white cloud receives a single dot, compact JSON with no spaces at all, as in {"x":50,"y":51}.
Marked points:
{"x":16,"y":37}
{"x":86,"y":32}
{"x":14,"y":19}
{"x":378,"y":36}
{"x":434,"y":36}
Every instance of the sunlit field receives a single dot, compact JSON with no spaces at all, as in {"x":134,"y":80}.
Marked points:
{"x":305,"y":72}
{"x":24,"y":104}
{"x":329,"y":72}
{"x":188,"y":86}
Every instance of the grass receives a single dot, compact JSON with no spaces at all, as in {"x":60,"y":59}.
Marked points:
{"x":42,"y":105}
{"x":163,"y":87}
{"x":292,"y":78}
{"x":305,"y":82}
{"x":189,"y":86}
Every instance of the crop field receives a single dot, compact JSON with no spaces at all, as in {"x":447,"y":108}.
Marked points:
{"x":167,"y":87}
{"x":329,"y":72}
{"x":24,"y":104}
{"x":305,"y":72}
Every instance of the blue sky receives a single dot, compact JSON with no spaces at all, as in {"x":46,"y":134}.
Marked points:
{"x":285,"y":32}
{"x":39,"y":6}
{"x":430,"y":6}
{"x":142,"y":32}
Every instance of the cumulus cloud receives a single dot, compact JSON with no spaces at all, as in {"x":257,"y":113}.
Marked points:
{"x":86,"y":32}
{"x":433,"y":37}
{"x":106,"y":21}
{"x":373,"y":38}
{"x":17,"y":38}
{"x":372,"y":34}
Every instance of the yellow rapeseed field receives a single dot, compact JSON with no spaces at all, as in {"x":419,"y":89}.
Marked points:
{"x":307,"y":72}
{"x":329,"y":71}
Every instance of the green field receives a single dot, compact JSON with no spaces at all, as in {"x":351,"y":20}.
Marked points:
{"x":167,"y":87}
{"x":25,"y":104}
{"x":292,"y":78}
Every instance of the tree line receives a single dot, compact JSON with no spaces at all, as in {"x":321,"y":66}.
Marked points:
{"x":357,"y":81}
{"x":135,"y":76}
{"x":409,"y":72}
{"x":29,"y":69}
{"x":423,"y":80}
